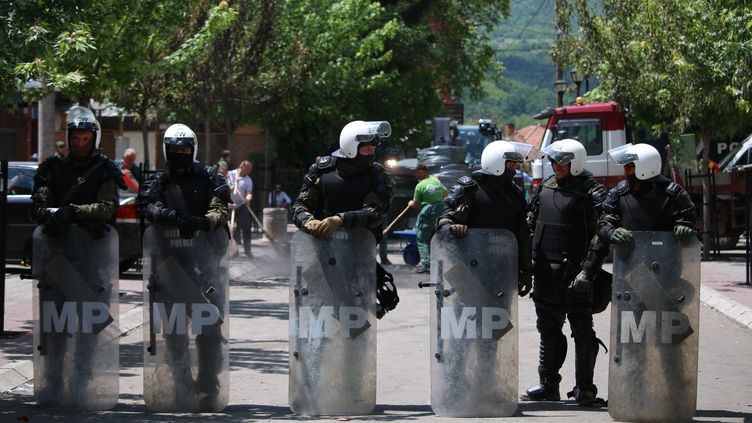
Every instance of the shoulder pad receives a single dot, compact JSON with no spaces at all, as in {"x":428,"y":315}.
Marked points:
{"x":162,"y":177}
{"x":151,"y":189}
{"x":467,"y":181}
{"x":208,"y":171}
{"x":326,"y":162}
{"x":673,"y":189}
{"x":465,"y":185}
{"x":43,"y":171}
{"x":599,"y":194}
{"x":221,"y":189}
{"x":621,"y":188}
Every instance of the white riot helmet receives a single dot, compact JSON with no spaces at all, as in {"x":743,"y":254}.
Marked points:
{"x":493,"y":160}
{"x":568,"y":151}
{"x":179,"y":135}
{"x":357,"y":132}
{"x":645,"y":157}
{"x":82,"y":119}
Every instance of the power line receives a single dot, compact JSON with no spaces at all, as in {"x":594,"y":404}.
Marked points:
{"x":535,"y":15}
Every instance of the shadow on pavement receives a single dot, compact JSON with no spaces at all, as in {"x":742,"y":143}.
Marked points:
{"x":259,"y":308}
{"x":264,"y":359}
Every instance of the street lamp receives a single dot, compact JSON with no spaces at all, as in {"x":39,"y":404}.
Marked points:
{"x":577,"y":79}
{"x":560,"y":86}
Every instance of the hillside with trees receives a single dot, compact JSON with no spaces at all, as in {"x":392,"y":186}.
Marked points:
{"x":522,"y":43}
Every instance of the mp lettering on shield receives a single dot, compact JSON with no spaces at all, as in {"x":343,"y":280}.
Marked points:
{"x":173,"y":320}
{"x":494,"y":323}
{"x":349,"y":321}
{"x":653,"y":327}
{"x":94,"y":317}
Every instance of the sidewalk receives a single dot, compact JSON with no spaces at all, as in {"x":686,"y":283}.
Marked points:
{"x":259,"y":351}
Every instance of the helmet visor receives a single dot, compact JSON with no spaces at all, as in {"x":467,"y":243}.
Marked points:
{"x":373,"y":129}
{"x":559,"y":156}
{"x":81,"y":118}
{"x":521,"y":152}
{"x":623,"y":155}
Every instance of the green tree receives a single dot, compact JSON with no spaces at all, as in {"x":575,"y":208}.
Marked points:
{"x":677,"y":66}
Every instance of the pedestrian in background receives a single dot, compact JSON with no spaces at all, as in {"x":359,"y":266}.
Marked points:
{"x":428,"y":199}
{"x":131,"y":171}
{"x":61,"y":149}
{"x":279,"y":198}
{"x":242,"y":195}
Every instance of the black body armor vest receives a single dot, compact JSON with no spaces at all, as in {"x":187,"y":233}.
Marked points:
{"x":562,"y":231}
{"x":343,"y":194}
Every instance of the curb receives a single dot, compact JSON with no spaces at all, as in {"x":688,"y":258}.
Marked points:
{"x":724,"y":305}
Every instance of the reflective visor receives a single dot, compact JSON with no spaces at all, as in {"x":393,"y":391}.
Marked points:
{"x":623,"y":155}
{"x":382,"y":129}
{"x":560,"y":157}
{"x":521,"y":152}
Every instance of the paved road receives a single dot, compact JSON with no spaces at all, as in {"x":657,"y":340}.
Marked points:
{"x":259,"y":352}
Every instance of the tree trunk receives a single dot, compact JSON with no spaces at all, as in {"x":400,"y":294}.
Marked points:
{"x":207,"y":139}
{"x":145,"y":137}
{"x":46,"y":127}
{"x":707,"y":240}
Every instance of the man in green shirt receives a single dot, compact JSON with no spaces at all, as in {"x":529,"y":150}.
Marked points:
{"x":428,"y":198}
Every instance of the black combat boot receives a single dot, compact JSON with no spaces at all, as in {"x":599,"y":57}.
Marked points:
{"x":553,"y":350}
{"x":586,"y":350}
{"x":546,"y":390}
{"x":585,"y":397}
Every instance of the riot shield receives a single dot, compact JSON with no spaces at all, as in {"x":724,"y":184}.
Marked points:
{"x":76,"y":337}
{"x":655,"y":316}
{"x":186,"y":321}
{"x":474,"y":324}
{"x":333,"y":323}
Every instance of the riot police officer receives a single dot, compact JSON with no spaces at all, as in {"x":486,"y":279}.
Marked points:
{"x":81,"y":187}
{"x":645,"y":200}
{"x":490,"y":199}
{"x":189,"y":198}
{"x":657,"y":269}
{"x":563,"y":213}
{"x":348,"y":189}
{"x":73,"y":192}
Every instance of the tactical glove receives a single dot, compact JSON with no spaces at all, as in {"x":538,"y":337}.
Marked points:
{"x":328,"y":226}
{"x":64,"y":214}
{"x":188,"y":225}
{"x":684,"y":233}
{"x":57,"y":220}
{"x":582,"y":284}
{"x":525,"y":284}
{"x":621,"y":236}
{"x":458,"y":230}
{"x":206,"y":224}
{"x":312,"y":226}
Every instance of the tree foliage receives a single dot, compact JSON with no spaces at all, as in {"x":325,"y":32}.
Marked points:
{"x":299,"y":69}
{"x":676,"y":65}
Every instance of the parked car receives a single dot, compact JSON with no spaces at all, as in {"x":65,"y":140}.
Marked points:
{"x":18,"y":247}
